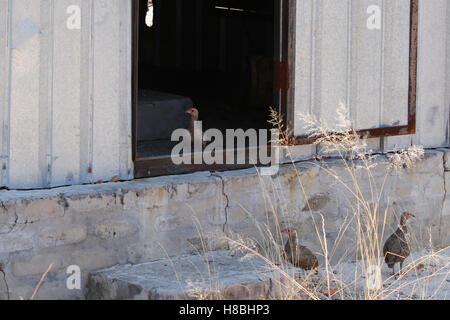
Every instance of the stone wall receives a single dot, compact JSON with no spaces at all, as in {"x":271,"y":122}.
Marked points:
{"x":97,"y":226}
{"x":445,"y":218}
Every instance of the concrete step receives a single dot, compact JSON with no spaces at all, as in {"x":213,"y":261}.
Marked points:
{"x":214,"y":275}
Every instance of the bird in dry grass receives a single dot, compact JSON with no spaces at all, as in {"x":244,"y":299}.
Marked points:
{"x":397,"y":246}
{"x":299,"y":256}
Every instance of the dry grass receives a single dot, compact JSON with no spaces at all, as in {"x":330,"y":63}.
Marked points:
{"x":357,"y":275}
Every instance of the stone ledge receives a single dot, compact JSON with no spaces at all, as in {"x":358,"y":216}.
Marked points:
{"x":215,"y":275}
{"x":187,"y":184}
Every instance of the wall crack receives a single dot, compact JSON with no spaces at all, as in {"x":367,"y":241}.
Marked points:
{"x":2,"y":273}
{"x":227,"y":200}
{"x":441,"y":220}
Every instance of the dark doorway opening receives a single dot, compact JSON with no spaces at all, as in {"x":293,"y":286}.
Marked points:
{"x":215,"y":55}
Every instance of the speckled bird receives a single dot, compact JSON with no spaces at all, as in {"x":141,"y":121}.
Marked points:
{"x":299,"y":256}
{"x":397,"y":246}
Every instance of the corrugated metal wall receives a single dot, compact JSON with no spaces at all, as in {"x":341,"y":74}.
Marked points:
{"x":339,"y":59}
{"x":65,"y":95}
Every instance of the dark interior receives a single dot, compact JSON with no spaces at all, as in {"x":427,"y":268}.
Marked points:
{"x":214,"y":55}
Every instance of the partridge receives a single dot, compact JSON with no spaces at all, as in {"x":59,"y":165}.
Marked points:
{"x":299,"y":256}
{"x":195,"y":131}
{"x":397,"y":246}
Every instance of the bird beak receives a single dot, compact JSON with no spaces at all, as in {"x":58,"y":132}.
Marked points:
{"x":410,"y":215}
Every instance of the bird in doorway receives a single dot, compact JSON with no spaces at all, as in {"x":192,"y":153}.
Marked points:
{"x":299,"y":256}
{"x":397,"y":246}
{"x":195,"y":130}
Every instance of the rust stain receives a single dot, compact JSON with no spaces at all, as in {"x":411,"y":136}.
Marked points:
{"x":160,"y":195}
{"x":308,"y":182}
{"x":292,"y":180}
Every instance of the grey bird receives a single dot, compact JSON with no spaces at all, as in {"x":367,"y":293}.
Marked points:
{"x":397,"y":246}
{"x":299,"y":256}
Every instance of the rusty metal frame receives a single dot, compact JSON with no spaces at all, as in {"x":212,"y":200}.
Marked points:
{"x":284,"y":93}
{"x":135,"y":76}
{"x":287,"y":64}
{"x":287,"y":108}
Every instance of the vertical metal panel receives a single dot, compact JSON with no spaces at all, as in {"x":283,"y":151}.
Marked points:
{"x":395,"y":66}
{"x":304,"y":58}
{"x":125,"y":88}
{"x":431,"y":100}
{"x":304,"y":66}
{"x":5,"y":18}
{"x":111,"y":89}
{"x":106,"y":89}
{"x":366,"y":94}
{"x":25,"y":93}
{"x":376,"y":72}
{"x":368,"y":70}
{"x":65,"y":142}
{"x":305,"y":61}
{"x":395,"y":87}
{"x":86,"y":90}
{"x":433,"y":103}
{"x":46,"y":85}
{"x":331,"y":58}
{"x":448,"y":74}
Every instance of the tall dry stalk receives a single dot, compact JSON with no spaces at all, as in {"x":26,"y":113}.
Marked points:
{"x":368,"y":220}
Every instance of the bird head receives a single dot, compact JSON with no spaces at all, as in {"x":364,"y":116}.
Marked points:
{"x":405,"y":217}
{"x":290,"y":232}
{"x":193,"y":113}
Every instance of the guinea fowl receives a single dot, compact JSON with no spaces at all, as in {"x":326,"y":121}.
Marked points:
{"x":397,"y":248}
{"x":299,"y":256}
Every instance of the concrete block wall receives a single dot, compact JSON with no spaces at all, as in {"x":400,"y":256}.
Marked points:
{"x":445,"y":218}
{"x":97,"y":226}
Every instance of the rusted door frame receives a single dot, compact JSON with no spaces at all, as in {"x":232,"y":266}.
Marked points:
{"x":285,"y":42}
{"x":288,"y":108}
{"x":285,"y":66}
{"x":135,"y":76}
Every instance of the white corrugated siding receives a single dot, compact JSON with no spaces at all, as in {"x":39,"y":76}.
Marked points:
{"x":338,"y":59}
{"x":65,"y":95}
{"x":65,"y":99}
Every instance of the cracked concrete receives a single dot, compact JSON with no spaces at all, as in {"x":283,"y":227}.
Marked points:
{"x":4,"y":288}
{"x":227,"y":202}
